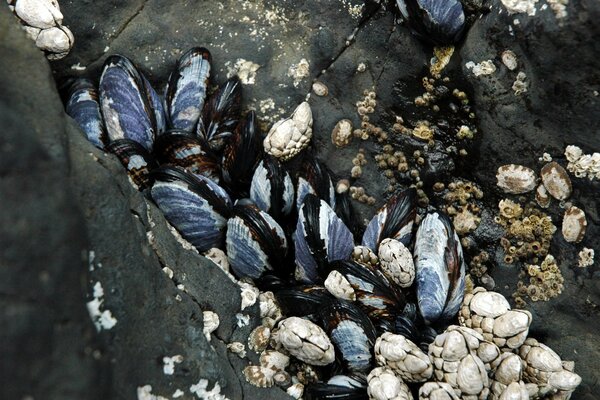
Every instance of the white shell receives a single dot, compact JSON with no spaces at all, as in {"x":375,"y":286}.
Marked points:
{"x":274,"y":360}
{"x":296,"y":390}
{"x":509,"y":58}
{"x":305,"y":341}
{"x":437,"y":391}
{"x":55,"y":39}
{"x":39,"y":13}
{"x":289,"y":136}
{"x":403,"y":357}
{"x":259,"y":376}
{"x":556,"y":180}
{"x":211,"y":323}
{"x":574,"y":225}
{"x":542,"y":197}
{"x":219,"y":257}
{"x":342,"y":133}
{"x":489,"y":304}
{"x":514,"y":391}
{"x":31,"y":32}
{"x":269,"y":309}
{"x":396,"y":262}
{"x":384,"y":385}
{"x":516,"y":179}
{"x":320,"y":89}
{"x":338,"y":285}
{"x":259,"y":338}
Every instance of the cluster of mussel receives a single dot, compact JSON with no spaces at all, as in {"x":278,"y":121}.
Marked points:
{"x":276,"y":212}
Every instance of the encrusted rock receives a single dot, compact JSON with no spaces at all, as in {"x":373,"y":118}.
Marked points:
{"x":516,"y":179}
{"x":396,"y":262}
{"x":305,"y":341}
{"x":556,"y":180}
{"x":574,"y":225}
{"x":384,"y":385}
{"x":338,"y":285}
{"x":342,"y":133}
{"x":437,"y":391}
{"x":290,"y":136}
{"x":403,"y":357}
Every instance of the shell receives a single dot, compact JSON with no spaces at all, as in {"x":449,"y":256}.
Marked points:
{"x":39,"y":13}
{"x":272,"y":189}
{"x":384,"y":385}
{"x":440,"y":268}
{"x":136,"y":160}
{"x":338,"y":387}
{"x":437,"y":391}
{"x":320,"y":238}
{"x":509,"y":59}
{"x":396,"y":262}
{"x":210,"y":323}
{"x":342,"y":133}
{"x":305,"y":341}
{"x":556,"y":180}
{"x":574,"y":225}
{"x":301,"y":301}
{"x":439,"y":22}
{"x":241,"y":155}
{"x":255,"y":242}
{"x":82,"y":105}
{"x":508,"y":371}
{"x":296,"y":390}
{"x":394,"y":220}
{"x":314,"y":178}
{"x":290,"y":136}
{"x":259,"y":338}
{"x":516,"y":179}
{"x":58,"y":40}
{"x":364,"y":255}
{"x":186,"y":90}
{"x":352,"y":334}
{"x":189,"y":152}
{"x":127,"y":102}
{"x":542,"y":197}
{"x":196,"y":206}
{"x":221,"y":113}
{"x":403,"y":357}
{"x":338,"y":286}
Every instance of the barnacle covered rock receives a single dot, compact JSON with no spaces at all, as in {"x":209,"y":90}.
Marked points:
{"x":289,"y":136}
{"x":516,"y":179}
{"x":546,"y":369}
{"x":455,"y":361}
{"x":437,"y":391}
{"x":305,"y":341}
{"x":403,"y":357}
{"x":396,"y":262}
{"x":556,"y":180}
{"x":574,"y":225}
{"x":489,"y":313}
{"x":384,"y":385}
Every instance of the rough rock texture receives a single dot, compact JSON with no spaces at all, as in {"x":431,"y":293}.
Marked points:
{"x":559,"y":108}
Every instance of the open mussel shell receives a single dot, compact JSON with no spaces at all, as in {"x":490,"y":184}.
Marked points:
{"x":320,"y":238}
{"x":189,"y":152}
{"x":130,"y":107}
{"x":440,"y":269}
{"x":186,"y":89}
{"x":374,"y":293}
{"x":314,"y":178}
{"x":272,"y":189}
{"x":241,"y":155}
{"x":221,"y":113}
{"x":352,"y":334}
{"x":394,"y":220}
{"x":196,"y":206}
{"x":136,"y":160}
{"x":82,"y":105}
{"x":440,"y":22}
{"x":339,"y":387}
{"x":256,"y":244}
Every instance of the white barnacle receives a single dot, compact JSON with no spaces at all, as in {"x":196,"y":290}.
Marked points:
{"x":39,"y":13}
{"x":396,"y":262}
{"x":169,"y":363}
{"x":338,"y":285}
{"x":211,"y":323}
{"x":385,"y":385}
{"x":556,"y":181}
{"x":574,"y":225}
{"x":516,"y":179}
{"x":289,"y":136}
{"x":249,"y":294}
{"x":403,"y":357}
{"x":305,"y":341}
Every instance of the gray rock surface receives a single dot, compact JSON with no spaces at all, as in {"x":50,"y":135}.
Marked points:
{"x":559,"y":108}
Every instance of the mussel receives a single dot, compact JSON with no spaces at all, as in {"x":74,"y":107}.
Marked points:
{"x":441,"y":22}
{"x":136,"y":160}
{"x":314,"y":178}
{"x":338,"y":387}
{"x":82,"y":105}
{"x":272,"y":189}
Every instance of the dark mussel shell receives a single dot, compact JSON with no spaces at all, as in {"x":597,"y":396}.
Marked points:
{"x":320,"y":238}
{"x":314,"y":178}
{"x":352,"y":334}
{"x":303,"y":301}
{"x":196,"y":206}
{"x":186,"y":89}
{"x":339,"y":387}
{"x":344,"y":210}
{"x":221,"y":113}
{"x":256,"y":244}
{"x":82,"y":105}
{"x":136,"y":160}
{"x":394,"y":220}
{"x":440,"y":22}
{"x":374,"y":293}
{"x":440,"y":269}
{"x":130,"y":107}
{"x":241,"y":155}
{"x":272,"y":189}
{"x":189,"y":152}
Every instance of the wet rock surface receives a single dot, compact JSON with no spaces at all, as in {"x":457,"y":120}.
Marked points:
{"x":129,"y":238}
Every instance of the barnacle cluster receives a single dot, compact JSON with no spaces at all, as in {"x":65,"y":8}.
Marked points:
{"x":528,"y":231}
{"x":583,"y":165}
{"x":586,"y":257}
{"x":364,"y":108}
{"x":461,"y":204}
{"x":539,"y":282}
